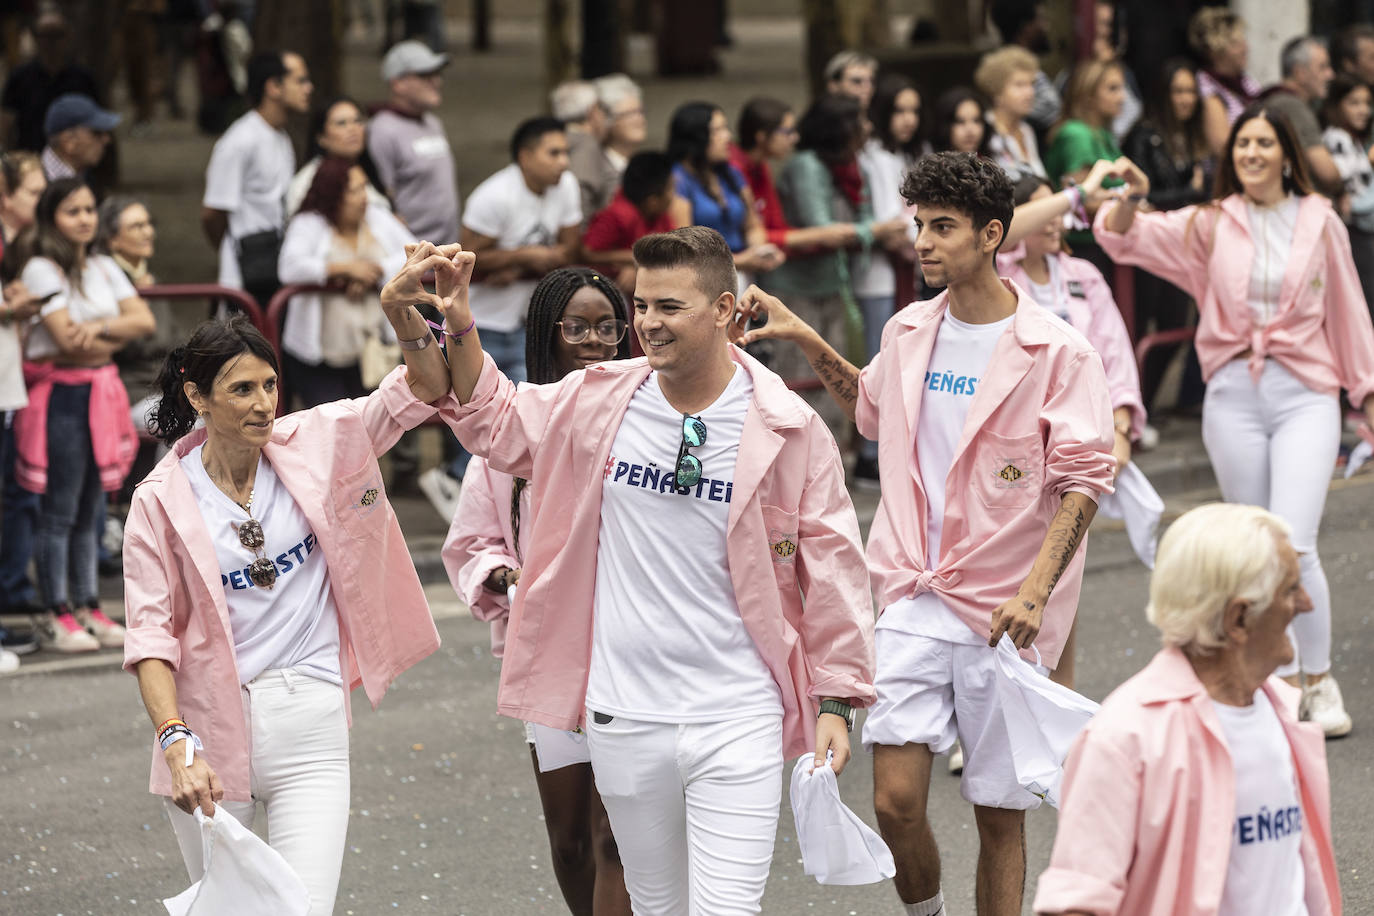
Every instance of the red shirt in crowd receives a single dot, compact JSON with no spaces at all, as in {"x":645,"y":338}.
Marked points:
{"x":766,"y":201}
{"x":620,"y":225}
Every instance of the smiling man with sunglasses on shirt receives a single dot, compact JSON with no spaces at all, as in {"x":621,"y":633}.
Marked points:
{"x":693,"y":593}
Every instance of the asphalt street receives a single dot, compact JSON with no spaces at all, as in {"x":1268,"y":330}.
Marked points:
{"x":445,"y":818}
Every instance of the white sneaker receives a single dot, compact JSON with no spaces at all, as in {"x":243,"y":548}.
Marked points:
{"x":61,"y":633}
{"x":109,"y":634}
{"x":1322,"y":704}
{"x":442,"y":491}
{"x":956,"y":759}
{"x":9,"y":662}
{"x":1149,"y":438}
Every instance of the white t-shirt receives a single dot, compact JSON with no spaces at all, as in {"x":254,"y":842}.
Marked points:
{"x":250,"y":169}
{"x":1272,"y":230}
{"x":668,"y":642}
{"x":1047,"y":294}
{"x":294,"y":624}
{"x":103,"y":286}
{"x":13,"y":393}
{"x":958,"y":360}
{"x":504,"y":208}
{"x":1264,"y":873}
{"x":883,"y":170}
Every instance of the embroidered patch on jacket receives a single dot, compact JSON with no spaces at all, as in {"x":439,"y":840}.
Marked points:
{"x":783,"y":546}
{"x":368,"y":497}
{"x":1317,"y":283}
{"x":1076,"y":289}
{"x":1009,"y":475}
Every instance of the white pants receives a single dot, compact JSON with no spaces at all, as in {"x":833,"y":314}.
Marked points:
{"x":299,"y":766}
{"x":694,"y":809}
{"x":1274,"y":445}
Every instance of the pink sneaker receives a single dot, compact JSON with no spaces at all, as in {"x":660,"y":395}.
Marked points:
{"x":61,"y":633}
{"x":109,"y":634}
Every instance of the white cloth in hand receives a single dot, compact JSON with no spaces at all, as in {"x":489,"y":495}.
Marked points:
{"x":242,"y":875}
{"x":836,"y":847}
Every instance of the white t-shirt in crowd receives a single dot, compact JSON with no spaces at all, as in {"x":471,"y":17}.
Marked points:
{"x":1272,"y":230}
{"x":504,"y":208}
{"x":294,"y":624}
{"x":103,"y":286}
{"x":1047,"y":294}
{"x":250,"y":169}
{"x":958,"y":360}
{"x":668,"y":642}
{"x":883,"y":170}
{"x":1264,"y":873}
{"x":13,"y":393}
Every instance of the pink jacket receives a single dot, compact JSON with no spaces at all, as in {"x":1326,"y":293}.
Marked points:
{"x":175,"y":605}
{"x":114,"y":441}
{"x":1149,"y":802}
{"x":789,"y":487}
{"x":1093,"y":313}
{"x":481,"y":541}
{"x":1321,"y":333}
{"x":1040,"y":425}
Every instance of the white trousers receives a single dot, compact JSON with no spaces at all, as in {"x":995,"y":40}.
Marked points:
{"x":299,"y":763}
{"x":1274,"y":445}
{"x":694,"y":809}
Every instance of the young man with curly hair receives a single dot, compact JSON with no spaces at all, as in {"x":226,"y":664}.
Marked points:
{"x":994,"y":432}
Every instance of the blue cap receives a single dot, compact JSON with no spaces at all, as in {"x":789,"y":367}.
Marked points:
{"x":72,"y":109}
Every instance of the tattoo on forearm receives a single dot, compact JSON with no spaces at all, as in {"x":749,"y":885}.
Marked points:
{"x":839,"y":377}
{"x":1066,"y":531}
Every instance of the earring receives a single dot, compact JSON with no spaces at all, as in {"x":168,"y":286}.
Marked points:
{"x":1287,"y":170}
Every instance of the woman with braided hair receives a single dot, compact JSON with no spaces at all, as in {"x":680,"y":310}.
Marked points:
{"x":577,"y":317}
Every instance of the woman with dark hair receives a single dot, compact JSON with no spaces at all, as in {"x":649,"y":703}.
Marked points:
{"x":338,"y":129}
{"x":1345,"y":115}
{"x":960,"y":122}
{"x":341,"y":239}
{"x":887,"y":282}
{"x":822,"y":185}
{"x":75,"y":439}
{"x":265,"y":577}
{"x":711,"y":192}
{"x":1170,"y":146}
{"x":1282,"y":328}
{"x":577,"y":318}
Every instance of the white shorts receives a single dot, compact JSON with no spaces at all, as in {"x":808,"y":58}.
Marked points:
{"x":932,"y":691}
{"x":556,"y":748}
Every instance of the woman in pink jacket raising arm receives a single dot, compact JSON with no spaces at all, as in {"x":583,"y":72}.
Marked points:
{"x":265,"y":576}
{"x":1282,"y":328}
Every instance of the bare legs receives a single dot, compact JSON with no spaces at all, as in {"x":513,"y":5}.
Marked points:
{"x":585,"y":859}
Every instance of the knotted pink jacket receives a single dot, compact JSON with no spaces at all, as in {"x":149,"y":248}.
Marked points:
{"x":807,"y":609}
{"x":1039,"y":426}
{"x":174,"y":601}
{"x":1321,"y":332}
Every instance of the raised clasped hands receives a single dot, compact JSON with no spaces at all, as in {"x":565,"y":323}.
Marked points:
{"x":452,"y":269}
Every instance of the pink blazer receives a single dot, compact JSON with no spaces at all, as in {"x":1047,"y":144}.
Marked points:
{"x":1040,"y":425}
{"x":1149,"y":800}
{"x":481,"y":541}
{"x":1093,"y":313}
{"x":808,"y":609}
{"x":1321,"y":333}
{"x":175,"y":605}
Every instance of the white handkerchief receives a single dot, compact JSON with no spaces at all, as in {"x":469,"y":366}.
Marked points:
{"x":242,"y":875}
{"x":836,"y":847}
{"x":1136,"y":502}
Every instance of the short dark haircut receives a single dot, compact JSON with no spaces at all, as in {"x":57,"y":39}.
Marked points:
{"x":646,"y":174}
{"x":1297,"y":52}
{"x":1011,"y":16}
{"x":263,"y":66}
{"x":1345,"y":47}
{"x":531,"y":132}
{"x":1296,"y":181}
{"x":199,"y":362}
{"x":962,"y":182}
{"x":832,"y":128}
{"x":763,"y":114}
{"x":702,"y":249}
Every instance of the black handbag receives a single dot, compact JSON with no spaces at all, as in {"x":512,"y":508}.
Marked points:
{"x":257,"y":254}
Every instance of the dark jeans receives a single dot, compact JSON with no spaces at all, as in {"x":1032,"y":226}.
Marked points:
{"x":315,"y":385}
{"x":507,"y":350}
{"x":67,"y":528}
{"x":18,"y":518}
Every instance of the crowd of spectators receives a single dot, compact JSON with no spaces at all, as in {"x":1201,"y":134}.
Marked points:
{"x":807,"y":200}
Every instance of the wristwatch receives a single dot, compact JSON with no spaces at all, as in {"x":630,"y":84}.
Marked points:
{"x":839,"y":708}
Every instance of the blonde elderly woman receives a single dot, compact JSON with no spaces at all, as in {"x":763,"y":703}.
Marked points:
{"x":1160,"y":804}
{"x":1217,"y":37}
{"x":1007,"y":77}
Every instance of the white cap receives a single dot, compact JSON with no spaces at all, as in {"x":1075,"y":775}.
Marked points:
{"x":411,"y":57}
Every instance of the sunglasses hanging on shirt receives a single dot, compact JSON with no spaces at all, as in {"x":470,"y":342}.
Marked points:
{"x":262,"y":571}
{"x":688,"y":467}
